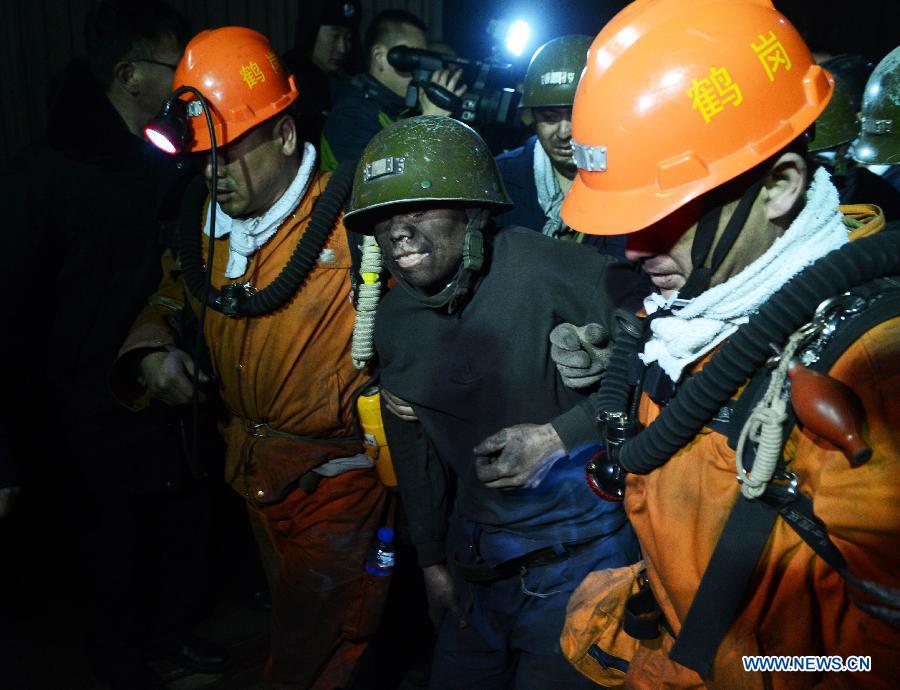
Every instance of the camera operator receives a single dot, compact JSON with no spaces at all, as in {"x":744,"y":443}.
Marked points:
{"x":538,"y":174}
{"x":374,"y":99}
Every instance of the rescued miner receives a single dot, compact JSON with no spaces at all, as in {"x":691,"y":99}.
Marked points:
{"x":462,"y":340}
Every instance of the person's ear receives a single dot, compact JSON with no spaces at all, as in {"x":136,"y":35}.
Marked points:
{"x":784,"y":187}
{"x":124,"y":76}
{"x":379,"y":56}
{"x":478,"y":217}
{"x":286,"y":135}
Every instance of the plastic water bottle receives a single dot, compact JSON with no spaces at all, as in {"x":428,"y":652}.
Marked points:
{"x":382,"y":556}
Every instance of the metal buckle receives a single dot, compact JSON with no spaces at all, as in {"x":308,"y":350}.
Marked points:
{"x":782,"y":489}
{"x":232,"y":295}
{"x":256,"y":429}
{"x":835,"y":309}
{"x":557,"y":78}
{"x":391,"y":165}
{"x":194,"y":109}
{"x":590,"y":158}
{"x":826,"y":320}
{"x":872,"y":126}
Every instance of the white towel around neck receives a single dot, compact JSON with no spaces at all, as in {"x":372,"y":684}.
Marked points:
{"x":249,"y":234}
{"x":689,"y":333}
{"x":549,"y":194}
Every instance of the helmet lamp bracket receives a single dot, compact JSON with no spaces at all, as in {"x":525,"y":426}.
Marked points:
{"x":589,"y":158}
{"x":392,"y":165}
{"x":871,"y":126}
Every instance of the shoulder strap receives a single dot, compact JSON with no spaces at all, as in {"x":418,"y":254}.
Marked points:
{"x":882,"y":299}
{"x":882,"y":303}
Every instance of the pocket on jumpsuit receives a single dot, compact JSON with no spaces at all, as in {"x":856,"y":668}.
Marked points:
{"x":372,"y":593}
{"x":593,"y":638}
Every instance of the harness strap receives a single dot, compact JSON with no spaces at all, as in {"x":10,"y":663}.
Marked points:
{"x":723,"y":584}
{"x":643,"y":616}
{"x":747,"y":529}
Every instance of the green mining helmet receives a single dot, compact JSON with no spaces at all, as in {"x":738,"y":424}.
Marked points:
{"x":879,"y":137}
{"x":425,"y":158}
{"x":855,"y":71}
{"x":838,"y":122}
{"x":553,"y":74}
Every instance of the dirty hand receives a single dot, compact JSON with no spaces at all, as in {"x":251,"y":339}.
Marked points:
{"x":581,"y":353}
{"x":169,"y":376}
{"x":518,"y":457}
{"x":451,"y":80}
{"x":441,"y":592}
{"x":398,"y":407}
{"x":7,"y":499}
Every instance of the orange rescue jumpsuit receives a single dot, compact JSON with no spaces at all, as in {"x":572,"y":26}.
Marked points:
{"x":290,"y":372}
{"x":797,"y":605}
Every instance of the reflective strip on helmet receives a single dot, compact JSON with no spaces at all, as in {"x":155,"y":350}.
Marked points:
{"x":872,"y":126}
{"x":557,"y":78}
{"x":391,"y":165}
{"x":194,"y":109}
{"x":590,"y":158}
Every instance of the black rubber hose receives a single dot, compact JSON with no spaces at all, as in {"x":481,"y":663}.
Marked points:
{"x":325,"y":213}
{"x":746,"y":351}
{"x":614,"y":393}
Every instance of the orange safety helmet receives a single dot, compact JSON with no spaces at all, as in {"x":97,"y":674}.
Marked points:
{"x":242,"y":79}
{"x":680,"y":96}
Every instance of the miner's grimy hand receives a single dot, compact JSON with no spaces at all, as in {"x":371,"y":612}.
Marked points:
{"x":442,"y":596}
{"x":518,"y":457}
{"x":398,"y":407}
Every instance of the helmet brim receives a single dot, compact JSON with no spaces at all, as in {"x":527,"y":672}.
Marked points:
{"x":355,"y":220}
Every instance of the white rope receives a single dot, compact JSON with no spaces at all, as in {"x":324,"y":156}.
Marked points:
{"x":362,"y":347}
{"x":765,"y":426}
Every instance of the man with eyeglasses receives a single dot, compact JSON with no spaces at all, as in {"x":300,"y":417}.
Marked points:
{"x":137,"y":75}
{"x":83,"y":230}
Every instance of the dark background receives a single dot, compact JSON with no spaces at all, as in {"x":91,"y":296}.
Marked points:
{"x":37,"y":37}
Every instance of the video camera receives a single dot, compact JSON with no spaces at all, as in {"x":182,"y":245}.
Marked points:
{"x":487,"y":101}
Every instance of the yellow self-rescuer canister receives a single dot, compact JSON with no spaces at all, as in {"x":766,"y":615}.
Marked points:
{"x":374,"y":439}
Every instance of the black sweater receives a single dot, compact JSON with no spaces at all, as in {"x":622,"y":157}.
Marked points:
{"x":471,"y":374}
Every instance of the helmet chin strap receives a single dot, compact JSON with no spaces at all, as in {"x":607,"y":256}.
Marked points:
{"x":705,"y":237}
{"x":457,"y":291}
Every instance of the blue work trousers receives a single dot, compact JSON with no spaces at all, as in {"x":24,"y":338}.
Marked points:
{"x":514,"y":624}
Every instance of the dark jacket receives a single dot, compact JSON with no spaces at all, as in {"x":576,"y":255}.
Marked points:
{"x":317,"y":89}
{"x":314,"y":102}
{"x":83,"y":238}
{"x":487,"y":367}
{"x":517,"y":170}
{"x":361,"y":109}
